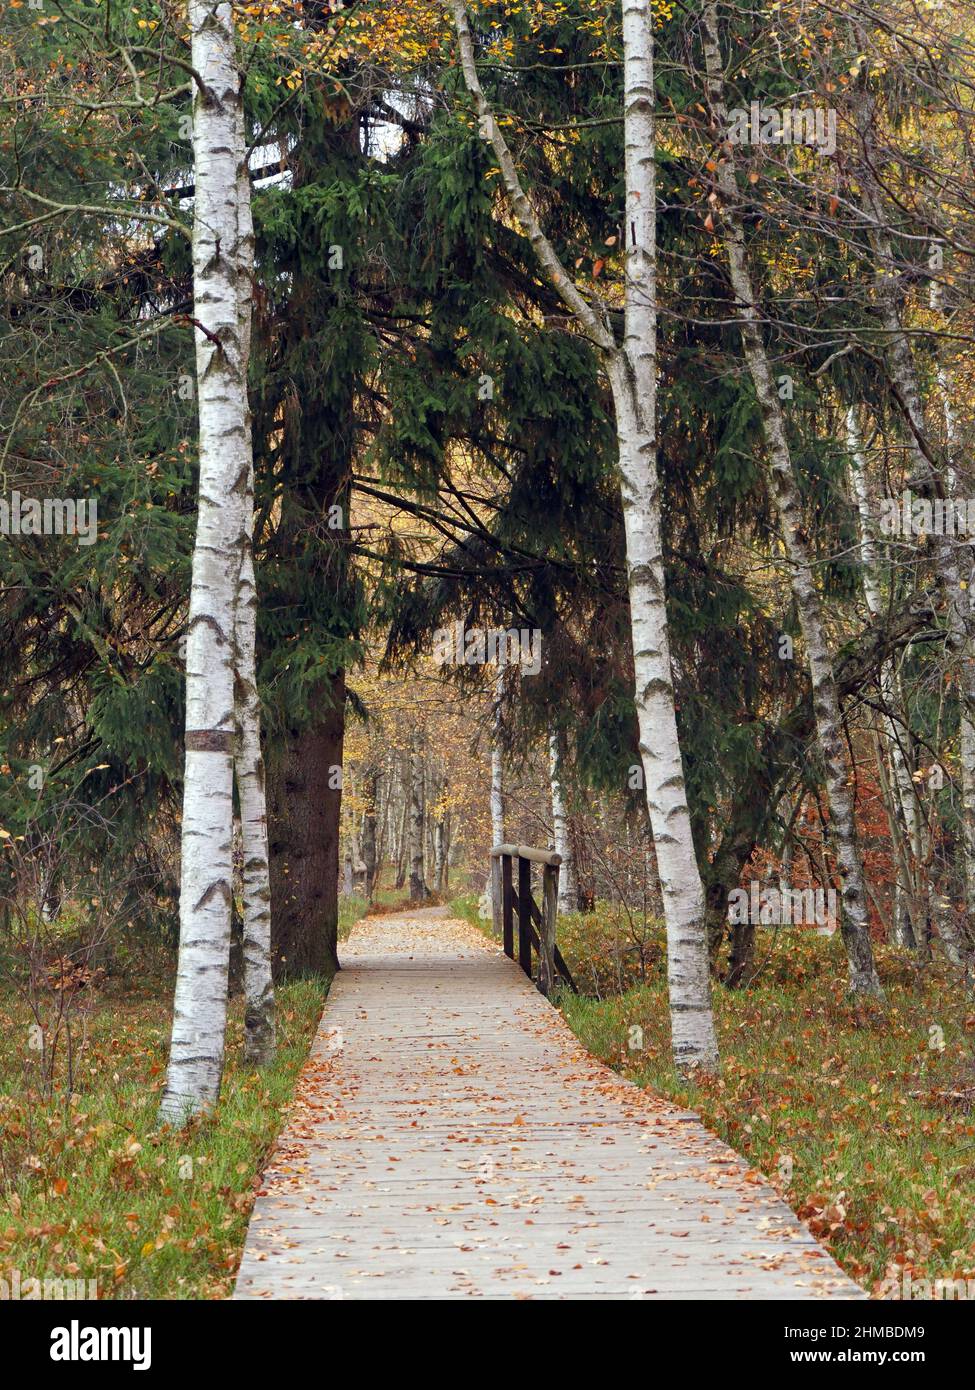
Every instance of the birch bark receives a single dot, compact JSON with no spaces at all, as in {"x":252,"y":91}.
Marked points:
{"x":200,"y":1006}
{"x":418,"y":886}
{"x":956,"y":589}
{"x":904,"y":804}
{"x":439,"y":835}
{"x":568,"y":898}
{"x":855,"y":924}
{"x":497,"y":801}
{"x":967,"y":568}
{"x":402,"y":848}
{"x":631,"y":370}
{"x":259,"y":1026}
{"x":370,"y":846}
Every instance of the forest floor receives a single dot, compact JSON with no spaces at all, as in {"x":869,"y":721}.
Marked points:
{"x":90,"y":1189}
{"x":862,"y":1116}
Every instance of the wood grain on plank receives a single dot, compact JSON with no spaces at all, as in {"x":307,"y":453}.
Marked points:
{"x":451,"y":1138}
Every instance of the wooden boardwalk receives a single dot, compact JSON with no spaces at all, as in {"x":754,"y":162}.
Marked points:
{"x":450,"y":1138}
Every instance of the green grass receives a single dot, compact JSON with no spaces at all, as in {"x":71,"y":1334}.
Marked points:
{"x":90,"y":1188}
{"x":858,"y":1115}
{"x":863,"y":1116}
{"x":353,"y":909}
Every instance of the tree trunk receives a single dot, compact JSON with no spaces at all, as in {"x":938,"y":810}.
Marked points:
{"x":903,"y":375}
{"x":304,"y":812}
{"x":258,"y":986}
{"x":418,"y":886}
{"x":904,"y":803}
{"x":369,"y":832}
{"x":632,"y":376}
{"x":966,"y":713}
{"x":497,"y":802}
{"x":200,"y":1006}
{"x":402,"y":836}
{"x":439,"y":849}
{"x":742,"y":957}
{"x":568,"y":900}
{"x":785,"y":491}
{"x":259,"y":1026}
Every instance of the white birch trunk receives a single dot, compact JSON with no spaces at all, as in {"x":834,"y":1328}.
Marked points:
{"x":348,"y":877}
{"x":855,"y":924}
{"x":259,"y":1027}
{"x":955,"y":587}
{"x":497,"y":763}
{"x":966,"y":720}
{"x":632,"y":376}
{"x":440,"y":838}
{"x":402,"y":836}
{"x":418,"y":886}
{"x":371,"y":834}
{"x":497,"y":802}
{"x":497,"y":795}
{"x":200,"y":1006}
{"x":905,"y":805}
{"x":568,"y":898}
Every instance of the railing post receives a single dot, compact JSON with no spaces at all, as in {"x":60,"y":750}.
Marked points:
{"x":546,"y":937}
{"x":496,"y":907}
{"x":507,"y":907}
{"x":525,"y":915}
{"x":550,"y":963}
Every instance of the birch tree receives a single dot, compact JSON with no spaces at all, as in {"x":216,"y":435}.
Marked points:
{"x":497,"y":800}
{"x":440,"y":814}
{"x":259,"y":1029}
{"x":631,"y":370}
{"x":206,"y":875}
{"x":966,"y":595}
{"x":855,"y":924}
{"x":417,"y":819}
{"x":905,"y":808}
{"x":568,"y":896}
{"x":928,"y":478}
{"x":370,"y":844}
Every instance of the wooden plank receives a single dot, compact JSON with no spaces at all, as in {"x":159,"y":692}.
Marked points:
{"x":451,"y":1139}
{"x":536,"y":856}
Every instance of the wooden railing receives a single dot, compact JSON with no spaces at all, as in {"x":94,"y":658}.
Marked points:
{"x":536,"y":929}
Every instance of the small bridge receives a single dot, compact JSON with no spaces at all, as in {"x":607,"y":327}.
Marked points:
{"x":451,"y":1139}
{"x":536,"y":929}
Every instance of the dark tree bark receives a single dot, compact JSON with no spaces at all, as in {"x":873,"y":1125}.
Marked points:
{"x":369,"y":832}
{"x":304,"y":806}
{"x":742,"y":955}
